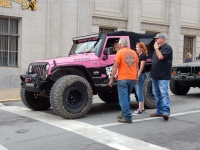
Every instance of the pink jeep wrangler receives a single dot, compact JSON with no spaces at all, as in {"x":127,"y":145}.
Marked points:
{"x":68,"y":84}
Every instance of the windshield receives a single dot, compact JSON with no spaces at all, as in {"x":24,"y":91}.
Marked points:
{"x":86,"y":47}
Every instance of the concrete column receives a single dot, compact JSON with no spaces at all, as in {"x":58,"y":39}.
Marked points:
{"x":134,"y":13}
{"x":179,"y":58}
{"x":174,"y":28}
{"x":84,"y":17}
{"x":54,"y":29}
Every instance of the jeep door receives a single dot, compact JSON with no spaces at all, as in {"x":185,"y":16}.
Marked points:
{"x":107,"y":61}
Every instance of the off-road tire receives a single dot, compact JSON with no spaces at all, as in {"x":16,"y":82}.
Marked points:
{"x":71,"y":97}
{"x":177,"y":89}
{"x":109,"y":97}
{"x":149,"y":100}
{"x":33,"y":102}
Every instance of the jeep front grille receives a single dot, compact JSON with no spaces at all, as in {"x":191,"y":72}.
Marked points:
{"x":189,"y":70}
{"x":39,"y":69}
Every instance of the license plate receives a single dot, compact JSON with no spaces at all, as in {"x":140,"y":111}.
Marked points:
{"x":29,"y":84}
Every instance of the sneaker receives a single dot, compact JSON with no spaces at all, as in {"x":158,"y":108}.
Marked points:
{"x":119,"y":116}
{"x":165,"y":116}
{"x":123,"y":120}
{"x":138,"y":112}
{"x":142,"y":110}
{"x":155,"y":115}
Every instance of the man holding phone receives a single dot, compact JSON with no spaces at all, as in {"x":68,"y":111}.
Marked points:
{"x":161,"y":74}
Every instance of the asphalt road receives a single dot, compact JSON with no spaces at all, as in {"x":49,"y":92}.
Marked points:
{"x":24,"y":129}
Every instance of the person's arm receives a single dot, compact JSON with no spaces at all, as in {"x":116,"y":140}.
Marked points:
{"x":158,"y":53}
{"x":142,"y":64}
{"x":114,"y":71}
{"x":137,"y":68}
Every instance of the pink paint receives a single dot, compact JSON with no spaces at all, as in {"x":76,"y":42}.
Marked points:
{"x":27,"y":80}
{"x":111,"y":58}
{"x":103,"y":76}
{"x":89,"y":60}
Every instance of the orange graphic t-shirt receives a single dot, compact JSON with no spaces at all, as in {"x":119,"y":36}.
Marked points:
{"x":128,"y":62}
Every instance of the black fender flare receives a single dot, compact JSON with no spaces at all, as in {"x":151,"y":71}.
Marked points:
{"x":80,"y":70}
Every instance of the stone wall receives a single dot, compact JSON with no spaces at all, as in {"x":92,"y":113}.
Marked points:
{"x":48,"y":31}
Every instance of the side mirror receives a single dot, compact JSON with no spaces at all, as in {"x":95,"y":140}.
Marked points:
{"x":105,"y":57}
{"x":108,"y":51}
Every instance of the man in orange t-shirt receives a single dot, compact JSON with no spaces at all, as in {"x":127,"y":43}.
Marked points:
{"x":126,"y":64}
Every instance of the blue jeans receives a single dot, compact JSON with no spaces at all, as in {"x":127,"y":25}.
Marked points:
{"x":139,"y":87}
{"x":160,"y":91}
{"x":125,"y":88}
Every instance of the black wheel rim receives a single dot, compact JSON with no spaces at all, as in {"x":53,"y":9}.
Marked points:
{"x":74,"y":97}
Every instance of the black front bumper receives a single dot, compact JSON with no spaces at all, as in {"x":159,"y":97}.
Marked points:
{"x":187,"y":81}
{"x":33,"y":83}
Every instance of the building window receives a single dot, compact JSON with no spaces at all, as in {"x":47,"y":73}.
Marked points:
{"x":8,"y":42}
{"x":188,"y":46}
{"x":106,"y":30}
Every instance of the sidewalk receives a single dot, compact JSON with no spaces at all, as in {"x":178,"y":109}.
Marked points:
{"x":12,"y":94}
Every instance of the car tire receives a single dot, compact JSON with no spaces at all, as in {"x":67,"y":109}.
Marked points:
{"x":109,"y":97}
{"x":33,"y":102}
{"x":149,"y":100}
{"x":71,"y":97}
{"x":177,"y":89}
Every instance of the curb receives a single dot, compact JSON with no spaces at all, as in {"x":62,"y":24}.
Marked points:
{"x":10,"y":100}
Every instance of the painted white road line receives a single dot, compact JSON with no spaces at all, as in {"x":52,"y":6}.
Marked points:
{"x":2,"y":148}
{"x":95,"y":133}
{"x":151,"y":118}
{"x":1,"y":105}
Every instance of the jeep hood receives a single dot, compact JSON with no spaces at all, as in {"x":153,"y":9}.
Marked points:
{"x":192,"y":64}
{"x":66,"y":60}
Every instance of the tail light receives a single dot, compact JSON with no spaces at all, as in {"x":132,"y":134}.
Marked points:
{"x":174,"y":71}
{"x":199,"y":71}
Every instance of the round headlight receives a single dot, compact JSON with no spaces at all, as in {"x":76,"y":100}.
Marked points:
{"x":30,"y":68}
{"x":47,"y":67}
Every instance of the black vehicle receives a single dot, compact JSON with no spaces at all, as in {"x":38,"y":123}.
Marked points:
{"x":184,"y":76}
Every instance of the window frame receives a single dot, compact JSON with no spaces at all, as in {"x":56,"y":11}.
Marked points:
{"x":105,"y":30}
{"x":9,"y":35}
{"x":188,"y":46}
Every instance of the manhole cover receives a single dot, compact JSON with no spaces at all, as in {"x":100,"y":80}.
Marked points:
{"x":21,"y":131}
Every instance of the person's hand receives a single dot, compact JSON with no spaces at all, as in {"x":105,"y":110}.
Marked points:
{"x":88,"y":51}
{"x":136,"y":81}
{"x":111,"y":82}
{"x":156,"y":45}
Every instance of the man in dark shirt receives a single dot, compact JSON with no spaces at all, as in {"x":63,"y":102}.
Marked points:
{"x":189,"y":57}
{"x":161,"y":74}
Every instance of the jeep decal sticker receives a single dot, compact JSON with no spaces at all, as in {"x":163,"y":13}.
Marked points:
{"x":109,"y":71}
{"x":96,"y":72}
{"x":81,"y":59}
{"x":149,"y":60}
{"x":87,"y":40}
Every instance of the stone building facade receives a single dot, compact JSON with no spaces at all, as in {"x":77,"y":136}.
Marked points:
{"x":47,"y":32}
